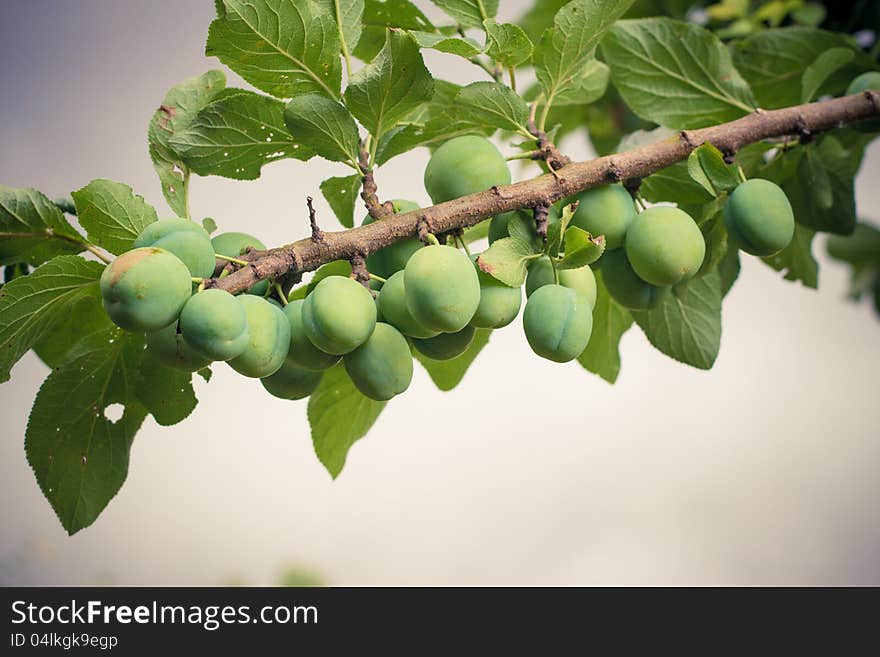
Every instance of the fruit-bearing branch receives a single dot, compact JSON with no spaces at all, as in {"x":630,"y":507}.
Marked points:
{"x":308,"y":254}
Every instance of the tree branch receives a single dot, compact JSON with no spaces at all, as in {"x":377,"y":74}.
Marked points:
{"x":307,"y":255}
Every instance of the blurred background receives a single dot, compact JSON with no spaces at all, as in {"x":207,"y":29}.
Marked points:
{"x":765,"y":470}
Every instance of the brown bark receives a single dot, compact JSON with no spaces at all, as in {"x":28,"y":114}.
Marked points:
{"x":308,"y":254}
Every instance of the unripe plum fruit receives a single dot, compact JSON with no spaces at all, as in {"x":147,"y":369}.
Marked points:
{"x":393,"y":257}
{"x":607,"y":211}
{"x":145,"y":289}
{"x":213,"y":322}
{"x":446,"y":345}
{"x":582,"y":279}
{"x":759,"y":217}
{"x":862,"y":83}
{"x":625,"y":287}
{"x":442,"y":288}
{"x":233,"y":245}
{"x":499,"y":303}
{"x":291,"y":381}
{"x":391,"y":304}
{"x":302,"y":352}
{"x":664,"y":246}
{"x":339,"y":315}
{"x":268,"y":338}
{"x":464,"y":165}
{"x":185,"y":239}
{"x":557,"y":323}
{"x":382,"y":366}
{"x":169,"y":348}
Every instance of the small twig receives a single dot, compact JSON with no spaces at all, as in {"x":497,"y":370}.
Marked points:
{"x":541,"y":212}
{"x":359,"y":270}
{"x":280,"y":293}
{"x":547,"y":150}
{"x":370,"y":191}
{"x":317,"y":233}
{"x":632,"y":185}
{"x":237,"y":261}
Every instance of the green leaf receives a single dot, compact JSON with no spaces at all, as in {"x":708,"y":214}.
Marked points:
{"x":236,"y":134}
{"x":167,"y":393}
{"x":610,"y":322}
{"x":342,"y":195}
{"x":283,"y":47}
{"x":796,"y":260}
{"x":676,"y":74}
{"x":568,"y":46}
{"x":507,"y":260}
{"x":822,"y":193}
{"x":826,"y":64}
{"x":32,"y":306}
{"x":209,"y":225}
{"x":493,"y":104}
{"x":508,"y":44}
{"x":729,"y":268}
{"x":687,"y":325}
{"x":581,"y":248}
{"x":181,"y":104}
{"x":323,"y":125}
{"x":587,"y":87}
{"x":32,"y":228}
{"x":707,"y":167}
{"x":348,"y":15}
{"x":381,"y":14}
{"x":773,"y":63}
{"x":339,"y":416}
{"x":81,"y":317}
{"x":392,"y":85}
{"x":112,"y":214}
{"x":469,"y":13}
{"x":79,"y":456}
{"x":447,"y":374}
{"x":454,"y":45}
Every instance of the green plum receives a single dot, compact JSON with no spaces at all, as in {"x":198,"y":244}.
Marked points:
{"x":446,"y":345}
{"x":499,"y":303}
{"x":233,"y":245}
{"x":213,"y":322}
{"x":759,"y":217}
{"x":391,"y":304}
{"x":608,"y":211}
{"x":557,"y":323}
{"x":185,"y":239}
{"x":625,"y":287}
{"x":339,"y":315}
{"x":291,"y":381}
{"x":664,"y":246}
{"x":145,"y":289}
{"x":302,"y":352}
{"x":382,"y":366}
{"x":169,"y":348}
{"x":394,"y":257}
{"x":268,"y":338}
{"x":442,"y":288}
{"x":464,"y":165}
{"x":582,"y":279}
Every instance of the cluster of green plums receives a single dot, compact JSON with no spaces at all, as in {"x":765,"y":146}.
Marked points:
{"x":428,"y":298}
